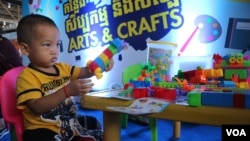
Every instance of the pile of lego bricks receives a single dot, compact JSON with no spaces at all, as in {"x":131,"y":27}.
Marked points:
{"x":223,"y":97}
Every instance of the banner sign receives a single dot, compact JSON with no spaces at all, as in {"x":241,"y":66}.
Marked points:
{"x":92,"y":25}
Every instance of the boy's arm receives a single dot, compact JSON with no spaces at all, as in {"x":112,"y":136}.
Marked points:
{"x":85,"y":73}
{"x":46,"y":103}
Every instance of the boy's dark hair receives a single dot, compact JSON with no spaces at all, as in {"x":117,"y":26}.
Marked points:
{"x":27,"y":24}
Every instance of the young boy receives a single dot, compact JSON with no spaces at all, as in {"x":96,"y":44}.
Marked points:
{"x":45,"y":87}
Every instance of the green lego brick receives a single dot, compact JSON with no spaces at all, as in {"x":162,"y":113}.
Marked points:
{"x":246,"y":63}
{"x":113,"y":49}
{"x":242,"y":73}
{"x":224,"y":63}
{"x":194,"y":98}
{"x":167,"y":84}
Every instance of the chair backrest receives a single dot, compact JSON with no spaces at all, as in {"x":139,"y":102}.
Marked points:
{"x":8,"y":100}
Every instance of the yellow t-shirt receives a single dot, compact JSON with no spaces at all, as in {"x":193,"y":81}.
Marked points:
{"x":32,"y":84}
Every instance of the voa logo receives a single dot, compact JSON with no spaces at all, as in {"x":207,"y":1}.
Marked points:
{"x":236,"y":132}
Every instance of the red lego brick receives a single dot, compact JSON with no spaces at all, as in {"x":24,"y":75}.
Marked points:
{"x":239,"y":100}
{"x":140,"y":92}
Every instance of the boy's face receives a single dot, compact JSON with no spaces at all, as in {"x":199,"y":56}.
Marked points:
{"x":44,"y":46}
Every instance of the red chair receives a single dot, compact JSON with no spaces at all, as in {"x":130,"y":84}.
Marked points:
{"x":8,"y":99}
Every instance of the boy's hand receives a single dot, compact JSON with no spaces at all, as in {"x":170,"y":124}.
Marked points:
{"x":110,"y":65}
{"x":80,"y":87}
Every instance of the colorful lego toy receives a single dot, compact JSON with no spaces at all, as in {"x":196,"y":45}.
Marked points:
{"x":146,"y":85}
{"x":200,"y":76}
{"x":236,"y":68}
{"x":99,"y":65}
{"x":225,"y":85}
{"x":233,"y":83}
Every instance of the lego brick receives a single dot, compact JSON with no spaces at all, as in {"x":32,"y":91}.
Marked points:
{"x":100,"y":63}
{"x":242,"y":73}
{"x":239,"y":100}
{"x":246,"y":63}
{"x":247,"y":101}
{"x":140,"y":92}
{"x":194,"y":98}
{"x":105,"y":59}
{"x":165,"y":93}
{"x":230,"y":84}
{"x":241,"y":90}
{"x":108,"y":53}
{"x":138,"y":84}
{"x":167,"y":84}
{"x":212,"y":98}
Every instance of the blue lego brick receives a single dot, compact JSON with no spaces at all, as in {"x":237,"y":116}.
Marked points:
{"x":138,"y":84}
{"x":247,"y":102}
{"x":212,"y":98}
{"x":118,"y":43}
{"x":230,"y":84}
{"x":147,"y":83}
{"x":100,"y":63}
